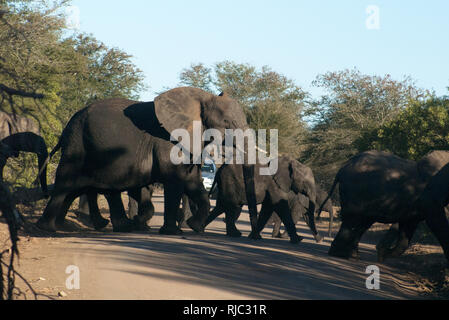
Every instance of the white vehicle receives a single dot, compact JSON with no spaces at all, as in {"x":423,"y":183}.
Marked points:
{"x":208,"y":173}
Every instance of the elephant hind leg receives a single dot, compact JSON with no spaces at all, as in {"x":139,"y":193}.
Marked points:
{"x":172,"y":200}
{"x":145,"y":213}
{"x":94,"y":212}
{"x":55,"y":211}
{"x":438,"y":224}
{"x":120,"y":222}
{"x":345,"y":244}
{"x":284,"y":212}
{"x":232,"y":215}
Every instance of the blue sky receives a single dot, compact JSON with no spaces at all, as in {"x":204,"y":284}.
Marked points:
{"x":299,"y":39}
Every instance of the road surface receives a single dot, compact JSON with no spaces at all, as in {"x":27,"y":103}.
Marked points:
{"x":147,"y":265}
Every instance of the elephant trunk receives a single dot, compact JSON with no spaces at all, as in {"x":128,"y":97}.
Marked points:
{"x":250,"y":190}
{"x":42,"y":175}
{"x":309,"y":217}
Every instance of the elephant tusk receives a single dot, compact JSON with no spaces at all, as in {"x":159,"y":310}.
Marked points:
{"x":261,"y":150}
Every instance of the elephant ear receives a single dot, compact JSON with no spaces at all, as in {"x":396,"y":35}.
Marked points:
{"x":178,"y":108}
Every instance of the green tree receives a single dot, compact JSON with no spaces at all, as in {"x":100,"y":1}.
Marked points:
{"x":353,"y":104}
{"x":420,"y":128}
{"x":198,"y":76}
{"x":48,"y":74}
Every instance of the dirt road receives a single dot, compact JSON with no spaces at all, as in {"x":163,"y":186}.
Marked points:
{"x":210,"y":266}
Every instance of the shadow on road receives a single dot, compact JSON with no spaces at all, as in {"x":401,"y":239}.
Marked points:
{"x":265,"y":269}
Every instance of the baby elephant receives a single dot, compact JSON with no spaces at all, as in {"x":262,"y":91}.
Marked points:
{"x":298,"y":204}
{"x":273,"y":192}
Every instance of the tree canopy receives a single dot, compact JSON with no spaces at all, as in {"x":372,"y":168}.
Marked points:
{"x":48,"y":72}
{"x":353,"y":104}
{"x":420,"y":128}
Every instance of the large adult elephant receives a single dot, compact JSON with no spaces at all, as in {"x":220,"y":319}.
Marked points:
{"x":378,"y":186}
{"x":28,"y":142}
{"x":273,"y":192}
{"x":118,"y":144}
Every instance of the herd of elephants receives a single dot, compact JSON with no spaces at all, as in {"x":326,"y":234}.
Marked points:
{"x":117,"y":145}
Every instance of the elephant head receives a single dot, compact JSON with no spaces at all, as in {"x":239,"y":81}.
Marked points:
{"x":179,"y":108}
{"x":294,"y":176}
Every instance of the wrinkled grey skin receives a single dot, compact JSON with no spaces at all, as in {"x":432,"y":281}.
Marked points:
{"x":27,"y":142}
{"x":118,"y":145}
{"x":273,"y":192}
{"x":378,"y":186}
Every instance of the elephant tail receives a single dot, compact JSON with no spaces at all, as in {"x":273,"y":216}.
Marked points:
{"x":336,"y":181}
{"x":47,"y":160}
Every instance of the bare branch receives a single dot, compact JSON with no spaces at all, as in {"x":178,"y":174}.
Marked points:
{"x":14,"y":92}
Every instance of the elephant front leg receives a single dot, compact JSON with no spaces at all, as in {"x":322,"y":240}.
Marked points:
{"x":232,"y":215}
{"x":345,"y":244}
{"x":47,"y":221}
{"x":200,"y":198}
{"x":265,"y":213}
{"x":172,"y":200}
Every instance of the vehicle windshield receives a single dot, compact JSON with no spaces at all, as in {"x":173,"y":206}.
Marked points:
{"x":208,"y":168}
